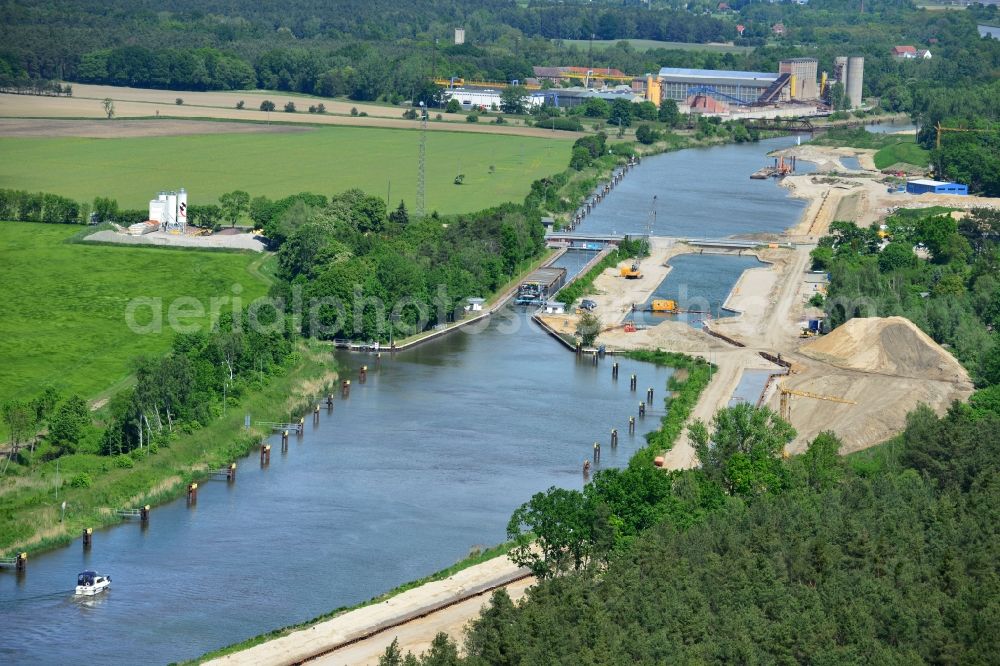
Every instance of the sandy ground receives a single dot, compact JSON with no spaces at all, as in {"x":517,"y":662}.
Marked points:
{"x":416,"y":636}
{"x":237,"y":241}
{"x":305,"y":643}
{"x":86,"y":103}
{"x":861,"y":196}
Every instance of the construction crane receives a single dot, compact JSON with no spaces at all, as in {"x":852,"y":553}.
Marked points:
{"x":940,"y":129}
{"x":786,"y":400}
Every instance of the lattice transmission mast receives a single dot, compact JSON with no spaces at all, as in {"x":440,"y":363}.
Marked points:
{"x":422,"y":163}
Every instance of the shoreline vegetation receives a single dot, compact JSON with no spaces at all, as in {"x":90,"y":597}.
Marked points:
{"x":161,"y":477}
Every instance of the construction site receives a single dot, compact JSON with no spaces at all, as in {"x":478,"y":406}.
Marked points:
{"x":859,"y":381}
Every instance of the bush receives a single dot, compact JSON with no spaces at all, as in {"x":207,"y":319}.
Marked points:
{"x":321,"y":108}
{"x":124,"y":461}
{"x":363,"y":114}
{"x":453,"y":106}
{"x":646,"y":135}
{"x":240,"y":104}
{"x":472,"y":118}
{"x":267,"y":105}
{"x":410,"y":114}
{"x":81,"y":480}
{"x":354,"y":110}
{"x":437,"y":117}
{"x":565,"y":124}
{"x":290,"y":107}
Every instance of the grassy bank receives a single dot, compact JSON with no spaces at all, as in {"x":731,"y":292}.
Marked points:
{"x":92,"y":484}
{"x":684,"y":387}
{"x":64,"y":322}
{"x":892,"y":148}
{"x":583,"y":284}
{"x":905,"y":152}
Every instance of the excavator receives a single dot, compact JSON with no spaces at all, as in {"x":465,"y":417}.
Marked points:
{"x":632,"y":272}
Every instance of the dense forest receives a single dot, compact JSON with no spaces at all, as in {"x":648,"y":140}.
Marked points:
{"x":369,"y":50}
{"x":890,"y":556}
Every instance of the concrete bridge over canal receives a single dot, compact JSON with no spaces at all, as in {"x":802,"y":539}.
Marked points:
{"x":597,"y":241}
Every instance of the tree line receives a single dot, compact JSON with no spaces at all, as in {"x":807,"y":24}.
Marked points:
{"x":887,"y":555}
{"x":178,"y":392}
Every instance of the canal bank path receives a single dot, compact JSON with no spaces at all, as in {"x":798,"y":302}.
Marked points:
{"x":413,"y":617}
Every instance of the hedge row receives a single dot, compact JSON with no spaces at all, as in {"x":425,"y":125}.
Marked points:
{"x":682,"y":396}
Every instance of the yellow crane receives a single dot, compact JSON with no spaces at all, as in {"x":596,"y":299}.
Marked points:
{"x":940,"y":129}
{"x":786,"y":400}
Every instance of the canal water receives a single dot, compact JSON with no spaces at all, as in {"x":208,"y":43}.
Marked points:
{"x":423,"y":462}
{"x":750,"y":388}
{"x":698,"y":282}
{"x":989,"y":31}
{"x":852,"y":163}
{"x":700,"y":193}
{"x":890,"y":128}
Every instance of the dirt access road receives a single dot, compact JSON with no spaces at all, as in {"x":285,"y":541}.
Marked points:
{"x":416,"y":636}
{"x":361,"y":635}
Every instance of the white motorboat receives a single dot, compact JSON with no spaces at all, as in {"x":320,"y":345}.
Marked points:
{"x":89,"y":583}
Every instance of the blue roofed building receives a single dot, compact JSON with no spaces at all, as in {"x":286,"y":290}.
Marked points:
{"x":733,"y":87}
{"x":925,"y":185}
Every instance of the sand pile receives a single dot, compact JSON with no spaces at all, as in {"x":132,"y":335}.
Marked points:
{"x":888,"y":346}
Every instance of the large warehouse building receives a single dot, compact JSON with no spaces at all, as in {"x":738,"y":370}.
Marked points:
{"x":679,"y":84}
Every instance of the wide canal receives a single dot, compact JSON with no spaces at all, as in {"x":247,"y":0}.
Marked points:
{"x":422,"y":462}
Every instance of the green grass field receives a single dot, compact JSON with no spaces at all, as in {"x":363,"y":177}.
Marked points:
{"x":906,"y":151}
{"x":64,"y":305}
{"x":649,"y":44}
{"x":324,"y":160}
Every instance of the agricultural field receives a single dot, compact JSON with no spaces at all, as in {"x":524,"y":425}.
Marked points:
{"x":649,"y":44}
{"x":324,"y":160}
{"x":64,"y":313}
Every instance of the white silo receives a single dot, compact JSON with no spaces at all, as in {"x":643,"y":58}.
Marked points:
{"x":170,"y":218}
{"x":182,"y":202}
{"x":156,"y":210}
{"x":855,"y":77}
{"x":840,"y":70}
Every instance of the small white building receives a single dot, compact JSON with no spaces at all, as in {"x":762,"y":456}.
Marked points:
{"x":555,"y":307}
{"x":486,"y":98}
{"x":459,"y":36}
{"x":475,"y":304}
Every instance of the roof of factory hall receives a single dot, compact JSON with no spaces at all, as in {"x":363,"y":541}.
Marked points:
{"x":683,"y":72}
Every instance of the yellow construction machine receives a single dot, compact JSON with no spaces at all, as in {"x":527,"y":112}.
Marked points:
{"x":663,"y":306}
{"x":786,"y":400}
{"x":632,"y":272}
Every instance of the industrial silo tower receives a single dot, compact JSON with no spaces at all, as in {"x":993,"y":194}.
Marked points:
{"x":855,"y":77}
{"x":182,"y":202}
